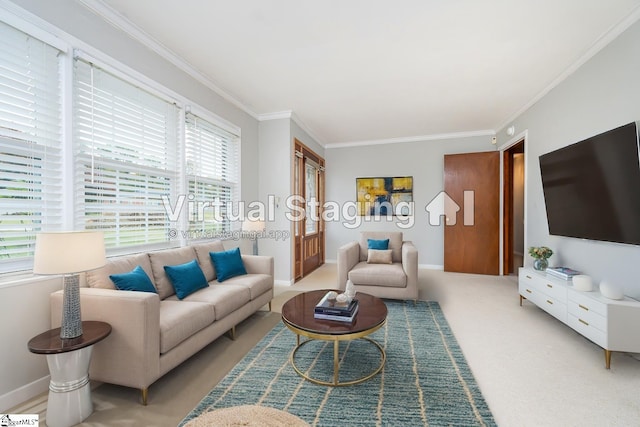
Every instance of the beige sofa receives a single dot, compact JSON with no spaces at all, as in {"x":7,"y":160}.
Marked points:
{"x":153,"y":333}
{"x":395,"y":280}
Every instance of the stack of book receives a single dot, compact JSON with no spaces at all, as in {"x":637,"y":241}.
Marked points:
{"x":565,"y":273}
{"x":330,"y":309}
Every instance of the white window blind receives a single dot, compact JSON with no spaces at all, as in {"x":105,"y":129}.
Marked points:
{"x":30,"y":145}
{"x":126,"y":157}
{"x":212,"y":156}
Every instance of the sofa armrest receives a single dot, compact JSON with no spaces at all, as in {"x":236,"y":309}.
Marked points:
{"x":130,"y":355}
{"x":258,"y":264}
{"x":348,"y":257}
{"x":410,"y":264}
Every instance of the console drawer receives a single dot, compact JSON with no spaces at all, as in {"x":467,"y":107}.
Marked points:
{"x":583,"y":312}
{"x":589,"y":331}
{"x":587,"y":303}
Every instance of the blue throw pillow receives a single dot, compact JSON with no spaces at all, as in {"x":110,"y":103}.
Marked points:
{"x":135,"y":280}
{"x":228,"y":264}
{"x":186,"y":278}
{"x":378,"y":244}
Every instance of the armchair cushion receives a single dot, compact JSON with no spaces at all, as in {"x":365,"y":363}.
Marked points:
{"x":377,"y":256}
{"x":382,"y":244}
{"x":395,"y":243}
{"x":387,"y":275}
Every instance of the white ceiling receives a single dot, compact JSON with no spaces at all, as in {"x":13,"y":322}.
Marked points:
{"x":371,"y":70}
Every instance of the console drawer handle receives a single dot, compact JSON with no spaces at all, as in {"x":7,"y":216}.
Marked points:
{"x":549,"y":286}
{"x":583,"y":322}
{"x":529,"y":290}
{"x":528,"y":277}
{"x":583,"y":307}
{"x":550,"y":302}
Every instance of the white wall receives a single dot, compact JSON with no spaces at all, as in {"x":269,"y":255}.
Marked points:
{"x":25,"y":310}
{"x":424,"y":160}
{"x":601,"y":95}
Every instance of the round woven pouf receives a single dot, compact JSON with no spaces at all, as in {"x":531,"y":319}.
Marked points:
{"x":246,"y":415}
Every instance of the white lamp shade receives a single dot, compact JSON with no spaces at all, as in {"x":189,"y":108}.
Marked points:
{"x":68,"y":252}
{"x":253,"y":225}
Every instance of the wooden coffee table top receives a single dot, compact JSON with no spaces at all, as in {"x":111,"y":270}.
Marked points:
{"x":298,"y":312}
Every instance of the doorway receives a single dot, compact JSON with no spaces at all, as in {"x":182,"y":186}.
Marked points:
{"x":309,"y":232}
{"x":513,"y":159}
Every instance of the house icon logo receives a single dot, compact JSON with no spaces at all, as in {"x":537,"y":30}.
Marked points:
{"x":5,"y":421}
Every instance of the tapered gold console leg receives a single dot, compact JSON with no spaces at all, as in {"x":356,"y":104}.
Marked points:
{"x":521,"y":298}
{"x":607,"y":358}
{"x":145,"y":395}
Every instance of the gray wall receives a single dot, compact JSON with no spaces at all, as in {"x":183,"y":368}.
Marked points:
{"x":423,"y":160}
{"x":275,"y":178}
{"x":601,"y":95}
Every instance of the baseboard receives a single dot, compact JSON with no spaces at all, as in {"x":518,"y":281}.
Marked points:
{"x":24,"y":393}
{"x":283,"y":282}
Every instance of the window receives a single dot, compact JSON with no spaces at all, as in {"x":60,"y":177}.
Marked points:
{"x":125,"y":158}
{"x":212,"y":174}
{"x":31,"y":185}
{"x":121,"y":159}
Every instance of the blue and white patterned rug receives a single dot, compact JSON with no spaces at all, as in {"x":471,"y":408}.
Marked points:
{"x":425,"y":381}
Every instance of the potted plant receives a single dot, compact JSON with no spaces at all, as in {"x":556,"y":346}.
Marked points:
{"x":541,"y":254}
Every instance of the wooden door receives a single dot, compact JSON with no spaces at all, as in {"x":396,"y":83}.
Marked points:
{"x":309,"y":233}
{"x":472,"y":241}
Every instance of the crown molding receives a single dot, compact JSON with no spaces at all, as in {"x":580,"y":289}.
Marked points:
{"x":601,"y":42}
{"x":120,"y":22}
{"x":420,"y":138}
{"x":287,"y":114}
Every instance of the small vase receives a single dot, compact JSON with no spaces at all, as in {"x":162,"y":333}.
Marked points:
{"x":540,"y":264}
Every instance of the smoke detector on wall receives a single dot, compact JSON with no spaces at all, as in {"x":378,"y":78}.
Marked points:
{"x":511,"y":130}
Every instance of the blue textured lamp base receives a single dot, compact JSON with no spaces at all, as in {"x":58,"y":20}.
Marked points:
{"x":71,"y":326}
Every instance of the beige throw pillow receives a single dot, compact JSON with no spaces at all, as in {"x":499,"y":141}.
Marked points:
{"x":379,"y":256}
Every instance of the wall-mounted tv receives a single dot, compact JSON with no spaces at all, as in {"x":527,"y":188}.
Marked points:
{"x":592,"y":188}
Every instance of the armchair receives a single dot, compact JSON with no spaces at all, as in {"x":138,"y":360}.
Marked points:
{"x":395,"y":280}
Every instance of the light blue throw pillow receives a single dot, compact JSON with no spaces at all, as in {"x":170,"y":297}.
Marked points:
{"x":228,"y":264}
{"x":135,"y":280}
{"x":378,"y":244}
{"x":186,"y":278}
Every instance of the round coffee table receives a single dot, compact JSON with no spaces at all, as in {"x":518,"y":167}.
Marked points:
{"x":297,"y":315}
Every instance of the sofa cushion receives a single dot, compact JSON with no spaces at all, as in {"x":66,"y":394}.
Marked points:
{"x":99,"y":278}
{"x":390,"y":275}
{"x":180,"y":319}
{"x":377,"y":256}
{"x":224,"y":298}
{"x":135,"y":280}
{"x":257,"y":284}
{"x":168,"y":257}
{"x":204,"y":259}
{"x":228,"y":264}
{"x":186,"y":278}
{"x":395,"y":243}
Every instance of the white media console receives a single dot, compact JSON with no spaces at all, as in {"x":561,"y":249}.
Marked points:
{"x":614,"y":325}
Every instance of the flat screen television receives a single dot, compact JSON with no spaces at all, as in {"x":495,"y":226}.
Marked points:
{"x":592,"y":188}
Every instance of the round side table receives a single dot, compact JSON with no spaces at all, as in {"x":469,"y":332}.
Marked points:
{"x":68,"y":359}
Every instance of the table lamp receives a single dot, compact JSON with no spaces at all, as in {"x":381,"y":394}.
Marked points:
{"x":253,"y":227}
{"x":69,"y":253}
